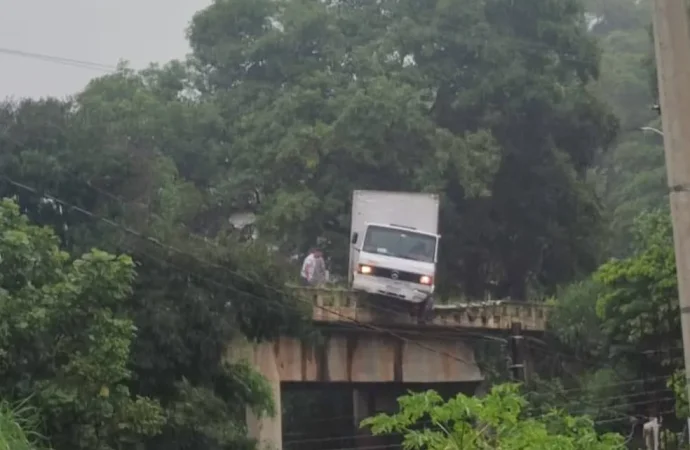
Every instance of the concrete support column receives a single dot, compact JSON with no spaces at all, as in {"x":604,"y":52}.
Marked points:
{"x":368,"y":401}
{"x":363,"y":406}
{"x":268,"y":431}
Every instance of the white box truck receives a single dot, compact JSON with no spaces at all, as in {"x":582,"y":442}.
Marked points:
{"x":394,"y":244}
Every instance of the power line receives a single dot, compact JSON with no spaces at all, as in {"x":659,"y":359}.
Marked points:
{"x":429,"y":422}
{"x":516,"y":43}
{"x":158,"y":243}
{"x":374,"y":447}
{"x":611,"y":385}
{"x":58,"y":60}
{"x":173,"y":249}
{"x":601,"y":422}
{"x":547,"y":350}
{"x":600,"y":400}
{"x":232,"y":288}
{"x":593,"y":403}
{"x":454,"y":331}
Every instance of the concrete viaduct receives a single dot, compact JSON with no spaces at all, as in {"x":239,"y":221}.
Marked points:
{"x":378,"y":353}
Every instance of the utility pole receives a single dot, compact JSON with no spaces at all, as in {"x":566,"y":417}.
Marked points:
{"x":672,"y":47}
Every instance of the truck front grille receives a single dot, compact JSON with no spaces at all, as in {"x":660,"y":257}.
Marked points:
{"x":400,"y":275}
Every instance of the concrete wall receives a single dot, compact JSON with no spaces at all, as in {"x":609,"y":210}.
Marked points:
{"x":352,"y":355}
{"x":345,"y":306}
{"x":355,"y":358}
{"x":367,"y":403}
{"x":268,"y":431}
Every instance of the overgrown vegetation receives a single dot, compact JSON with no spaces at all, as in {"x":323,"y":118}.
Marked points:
{"x":427,"y":422}
{"x":19,"y":426}
{"x":524,"y":116}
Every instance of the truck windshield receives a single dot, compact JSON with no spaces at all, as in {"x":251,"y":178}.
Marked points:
{"x":399,"y":243}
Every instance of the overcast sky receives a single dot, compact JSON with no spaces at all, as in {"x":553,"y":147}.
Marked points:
{"x":99,"y":31}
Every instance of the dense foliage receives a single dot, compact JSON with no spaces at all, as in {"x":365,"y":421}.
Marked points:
{"x":285,"y":107}
{"x":617,"y":332}
{"x":427,"y":422}
{"x":214,"y":172}
{"x":110,"y":362}
{"x":66,"y":338}
{"x":499,"y":118}
{"x":19,"y":425}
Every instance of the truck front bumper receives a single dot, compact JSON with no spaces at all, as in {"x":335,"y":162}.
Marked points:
{"x":409,"y":292}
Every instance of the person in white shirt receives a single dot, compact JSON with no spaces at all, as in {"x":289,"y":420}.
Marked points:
{"x":313,"y":270}
{"x":650,"y":432}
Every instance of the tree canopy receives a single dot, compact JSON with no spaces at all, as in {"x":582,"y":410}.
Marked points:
{"x":623,"y":327}
{"x":427,"y":422}
{"x":214,"y":172}
{"x":66,"y":339}
{"x":499,"y":119}
{"x":284,"y":108}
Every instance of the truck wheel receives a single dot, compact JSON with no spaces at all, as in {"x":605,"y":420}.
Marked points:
{"x":425,"y":309}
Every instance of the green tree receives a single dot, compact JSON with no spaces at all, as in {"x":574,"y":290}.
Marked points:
{"x":66,"y":338}
{"x":632,"y":176}
{"x":121,"y":150}
{"x":497,"y":420}
{"x":615,"y":336}
{"x":636,"y":183}
{"x":487,"y":104}
{"x":639,"y":305}
{"x":617,"y":327}
{"x":575,"y":322}
{"x":619,"y":330}
{"x":679,"y":387}
{"x":19,"y":427}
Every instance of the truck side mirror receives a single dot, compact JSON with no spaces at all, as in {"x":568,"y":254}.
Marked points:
{"x":355,"y":236}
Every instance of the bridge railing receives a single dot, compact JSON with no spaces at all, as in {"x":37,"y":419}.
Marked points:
{"x":342,"y":305}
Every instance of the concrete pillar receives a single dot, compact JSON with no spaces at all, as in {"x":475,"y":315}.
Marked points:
{"x":368,"y":401}
{"x":363,"y":406}
{"x":268,"y":431}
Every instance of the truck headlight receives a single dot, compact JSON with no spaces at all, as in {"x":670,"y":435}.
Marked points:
{"x":366,"y":270}
{"x":426,"y":279}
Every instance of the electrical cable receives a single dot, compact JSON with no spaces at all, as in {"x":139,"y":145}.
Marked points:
{"x":58,"y":60}
{"x":566,"y":391}
{"x":97,"y":66}
{"x":92,"y":215}
{"x":610,"y":385}
{"x":374,"y":447}
{"x":601,"y":422}
{"x":465,"y":334}
{"x":427,"y":422}
{"x":458,"y":330}
{"x":170,"y":248}
{"x":577,"y":404}
{"x":208,"y":264}
{"x":518,"y":44}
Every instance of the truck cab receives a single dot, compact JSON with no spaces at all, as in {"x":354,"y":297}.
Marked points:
{"x":396,"y":261}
